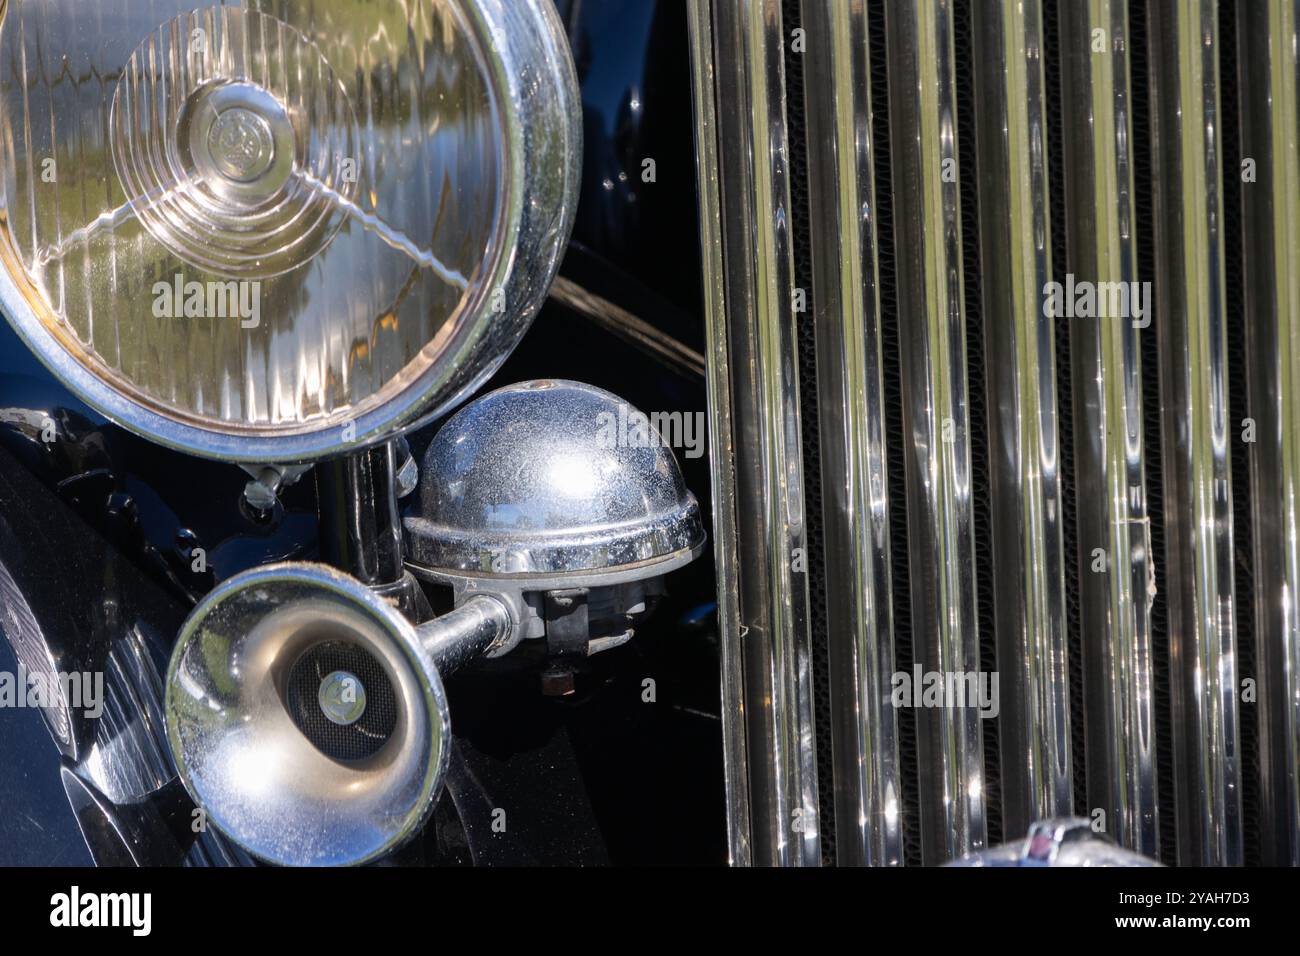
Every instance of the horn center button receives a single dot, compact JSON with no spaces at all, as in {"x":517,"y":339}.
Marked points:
{"x":342,"y":698}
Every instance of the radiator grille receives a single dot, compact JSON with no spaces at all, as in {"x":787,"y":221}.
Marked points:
{"x":844,"y":258}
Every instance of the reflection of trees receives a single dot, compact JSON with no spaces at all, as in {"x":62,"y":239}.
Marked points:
{"x":416,"y":94}
{"x":421,"y":100}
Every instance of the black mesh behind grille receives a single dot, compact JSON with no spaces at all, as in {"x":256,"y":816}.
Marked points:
{"x":1238,"y":410}
{"x":891,"y":376}
{"x":798,"y":145}
{"x":977,"y":407}
{"x":1054,"y":109}
{"x":354,"y":741}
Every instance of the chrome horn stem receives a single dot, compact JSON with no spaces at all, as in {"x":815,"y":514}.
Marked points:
{"x":460,"y":636}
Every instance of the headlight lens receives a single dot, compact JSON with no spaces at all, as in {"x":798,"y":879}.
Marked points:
{"x":266,"y":231}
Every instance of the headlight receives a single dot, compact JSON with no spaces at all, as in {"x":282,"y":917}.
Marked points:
{"x":266,"y":232}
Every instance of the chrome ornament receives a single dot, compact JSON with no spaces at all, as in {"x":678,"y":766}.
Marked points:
{"x":342,"y":698}
{"x":1061,"y":841}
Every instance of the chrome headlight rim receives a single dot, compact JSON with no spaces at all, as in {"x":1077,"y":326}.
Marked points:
{"x":540,"y":116}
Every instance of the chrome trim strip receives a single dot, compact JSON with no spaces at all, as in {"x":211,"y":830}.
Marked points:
{"x":769,"y":672}
{"x":1111,"y":496}
{"x":837,"y":96}
{"x":1270,"y":98}
{"x":1024,"y":466}
{"x":927,"y":212}
{"x":633,"y":329}
{"x":1192,"y":332}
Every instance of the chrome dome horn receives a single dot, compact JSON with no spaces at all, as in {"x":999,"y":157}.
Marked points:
{"x":563,"y":501}
{"x":307,"y":715}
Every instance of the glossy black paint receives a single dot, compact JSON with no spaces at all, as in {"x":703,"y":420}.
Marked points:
{"x":157,"y":506}
{"x":633,"y":235}
{"x":71,"y":595}
{"x":99,"y":518}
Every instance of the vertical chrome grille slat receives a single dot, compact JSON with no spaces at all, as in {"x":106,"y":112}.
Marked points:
{"x":936,"y":415}
{"x":769,"y":666}
{"x":1270,"y":99}
{"x":721,"y":447}
{"x":1191,"y":325}
{"x":1111,"y":491}
{"x":1027,"y":531}
{"x":837,"y":94}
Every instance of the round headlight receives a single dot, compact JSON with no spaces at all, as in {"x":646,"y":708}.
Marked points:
{"x":267,"y":232}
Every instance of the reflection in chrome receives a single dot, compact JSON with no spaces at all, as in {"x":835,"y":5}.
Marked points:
{"x":927,"y":237}
{"x":1270,"y":76}
{"x":837,"y":93}
{"x":1191,"y":326}
{"x":1108,"y":438}
{"x":1024,"y":461}
{"x":128,"y":758}
{"x":757,"y":471}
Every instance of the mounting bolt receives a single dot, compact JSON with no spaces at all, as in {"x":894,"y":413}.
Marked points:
{"x":262,"y":491}
{"x":408,"y":477}
{"x":557,"y":682}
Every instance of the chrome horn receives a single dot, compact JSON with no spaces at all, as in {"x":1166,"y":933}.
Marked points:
{"x":307,"y":715}
{"x":563,"y":501}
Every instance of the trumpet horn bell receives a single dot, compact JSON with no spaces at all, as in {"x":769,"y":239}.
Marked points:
{"x":306,"y":716}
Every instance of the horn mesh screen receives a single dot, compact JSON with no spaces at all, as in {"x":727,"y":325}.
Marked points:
{"x":339,"y":742}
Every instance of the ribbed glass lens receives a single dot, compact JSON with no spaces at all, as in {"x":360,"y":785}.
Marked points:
{"x":263,"y":216}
